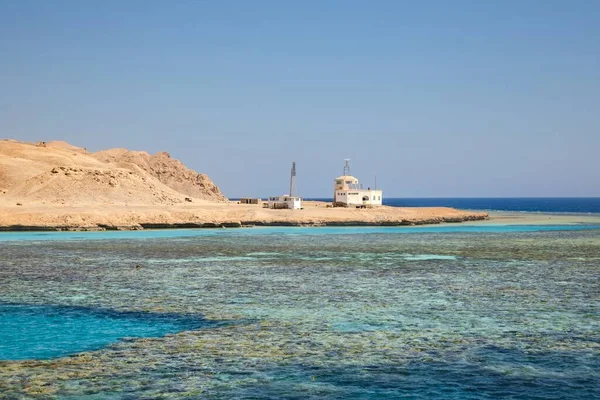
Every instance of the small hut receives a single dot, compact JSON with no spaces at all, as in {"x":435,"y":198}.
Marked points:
{"x":248,"y":200}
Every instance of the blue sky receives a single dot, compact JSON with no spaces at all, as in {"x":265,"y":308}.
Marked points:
{"x":436,"y":98}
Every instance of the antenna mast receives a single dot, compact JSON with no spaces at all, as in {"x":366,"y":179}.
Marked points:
{"x":346,"y":167}
{"x":293,"y":179}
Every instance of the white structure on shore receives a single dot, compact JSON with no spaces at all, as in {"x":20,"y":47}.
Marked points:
{"x":287,"y":201}
{"x":348,"y":192}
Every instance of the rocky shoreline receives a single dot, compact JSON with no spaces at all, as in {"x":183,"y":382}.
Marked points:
{"x":152,"y":222}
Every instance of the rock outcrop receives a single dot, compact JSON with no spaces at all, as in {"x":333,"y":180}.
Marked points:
{"x":59,"y":173}
{"x":77,"y":185}
{"x":169,"y":171}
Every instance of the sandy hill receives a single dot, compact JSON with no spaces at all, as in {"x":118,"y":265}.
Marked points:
{"x":59,"y":173}
{"x":167,"y":170}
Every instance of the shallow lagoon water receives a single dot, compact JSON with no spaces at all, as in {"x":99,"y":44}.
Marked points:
{"x":503,"y":312}
{"x":183,"y":233}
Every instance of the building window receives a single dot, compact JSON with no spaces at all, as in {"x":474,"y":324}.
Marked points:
{"x":379,"y":198}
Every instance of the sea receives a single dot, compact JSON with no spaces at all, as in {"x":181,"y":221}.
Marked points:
{"x":460,"y":311}
{"x":563,"y":205}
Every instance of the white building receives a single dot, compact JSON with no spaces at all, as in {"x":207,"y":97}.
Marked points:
{"x":348,"y":192}
{"x":286,"y":202}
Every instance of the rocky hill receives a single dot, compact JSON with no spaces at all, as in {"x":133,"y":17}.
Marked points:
{"x":59,"y":173}
{"x":167,"y":170}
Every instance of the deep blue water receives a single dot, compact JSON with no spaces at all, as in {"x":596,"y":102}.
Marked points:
{"x":532,"y":204}
{"x":49,"y":331}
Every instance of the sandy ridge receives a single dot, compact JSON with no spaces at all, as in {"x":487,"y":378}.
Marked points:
{"x":220,"y":215}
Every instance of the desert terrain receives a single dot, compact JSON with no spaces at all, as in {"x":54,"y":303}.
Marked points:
{"x":58,"y":186}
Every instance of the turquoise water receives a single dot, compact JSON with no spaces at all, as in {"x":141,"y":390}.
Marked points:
{"x":183,"y":233}
{"x":43,"y":332}
{"x":454,"y":312}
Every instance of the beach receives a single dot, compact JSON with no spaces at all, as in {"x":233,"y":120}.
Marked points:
{"x":216,"y":214}
{"x":207,"y":214}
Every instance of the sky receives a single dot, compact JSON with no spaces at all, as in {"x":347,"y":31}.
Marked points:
{"x":435,"y":98}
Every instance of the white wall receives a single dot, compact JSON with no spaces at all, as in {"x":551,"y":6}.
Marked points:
{"x":293,"y":203}
{"x":355,"y":197}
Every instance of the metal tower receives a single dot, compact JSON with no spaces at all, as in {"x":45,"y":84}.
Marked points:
{"x":293,"y":186}
{"x":347,"y":167}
